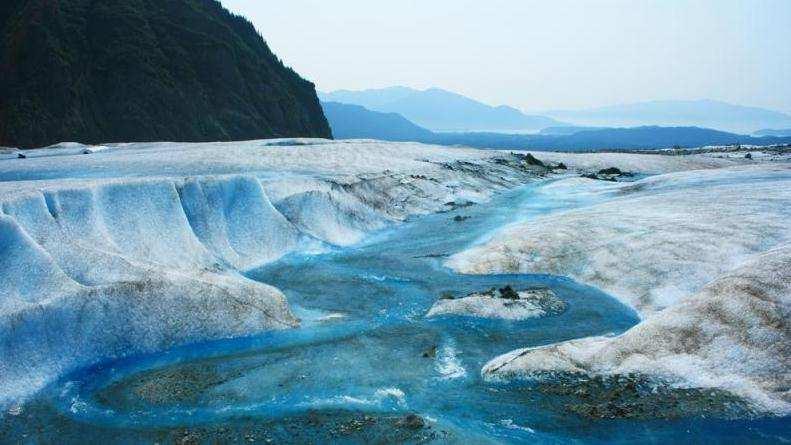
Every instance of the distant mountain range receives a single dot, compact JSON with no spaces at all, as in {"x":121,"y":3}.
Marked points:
{"x":354,"y":121}
{"x":646,"y":137}
{"x":698,"y":113}
{"x":441,"y":110}
{"x":773,"y":132}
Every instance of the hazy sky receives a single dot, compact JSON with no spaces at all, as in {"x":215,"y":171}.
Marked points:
{"x":539,"y":54}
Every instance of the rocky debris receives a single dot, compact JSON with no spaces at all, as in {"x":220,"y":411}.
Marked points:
{"x":412,"y":421}
{"x":610,"y":171}
{"x":529,"y":159}
{"x":447,"y":295}
{"x":453,"y":205}
{"x":164,"y":387}
{"x":430,"y":352}
{"x":355,"y":425}
{"x":424,"y":178}
{"x":313,"y":426}
{"x":608,"y":174}
{"x":748,"y":156}
{"x":559,"y":166}
{"x":504,"y":303}
{"x":433,"y":255}
{"x":460,"y":218}
{"x":508,"y":292}
{"x":632,"y":396}
{"x":523,"y":161}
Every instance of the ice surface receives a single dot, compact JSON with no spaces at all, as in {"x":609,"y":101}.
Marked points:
{"x":129,"y":248}
{"x":734,"y":334}
{"x":631,"y":162}
{"x":703,"y":255}
{"x":651,"y":242}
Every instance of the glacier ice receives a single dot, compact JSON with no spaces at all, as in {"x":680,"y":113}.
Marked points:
{"x":650,"y":242}
{"x":703,"y":255}
{"x":131,"y":248}
{"x":733,"y":334}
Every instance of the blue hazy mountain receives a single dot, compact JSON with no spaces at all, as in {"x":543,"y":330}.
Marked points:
{"x":356,"y":122}
{"x":646,"y":137}
{"x":773,"y":132}
{"x":566,"y":130}
{"x":441,"y":110}
{"x":675,"y":113}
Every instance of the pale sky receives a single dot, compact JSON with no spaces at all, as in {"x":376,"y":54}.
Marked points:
{"x":538,"y":55}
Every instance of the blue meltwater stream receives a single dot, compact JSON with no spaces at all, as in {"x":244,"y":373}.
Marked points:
{"x":364,"y":357}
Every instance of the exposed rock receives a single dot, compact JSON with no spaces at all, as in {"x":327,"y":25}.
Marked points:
{"x":525,"y":161}
{"x":529,"y":159}
{"x":447,"y":295}
{"x":412,"y":421}
{"x":631,"y":396}
{"x":608,"y":174}
{"x":430,"y":352}
{"x":454,"y":205}
{"x":509,"y":293}
{"x":610,"y":171}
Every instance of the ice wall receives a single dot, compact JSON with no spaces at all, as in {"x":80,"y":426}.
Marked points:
{"x":112,"y":268}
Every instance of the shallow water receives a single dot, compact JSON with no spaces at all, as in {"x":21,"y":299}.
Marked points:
{"x":364,"y":357}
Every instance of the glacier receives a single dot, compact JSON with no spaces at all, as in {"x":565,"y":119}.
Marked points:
{"x":131,"y":248}
{"x":701,"y":254}
{"x":160,"y":285}
{"x":733,"y":335}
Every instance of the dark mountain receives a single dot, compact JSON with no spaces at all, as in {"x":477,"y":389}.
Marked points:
{"x":686,"y":113}
{"x":356,"y":122}
{"x":441,"y":110}
{"x":143,"y":70}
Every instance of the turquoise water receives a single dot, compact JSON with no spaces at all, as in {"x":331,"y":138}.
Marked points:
{"x":365,"y":353}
